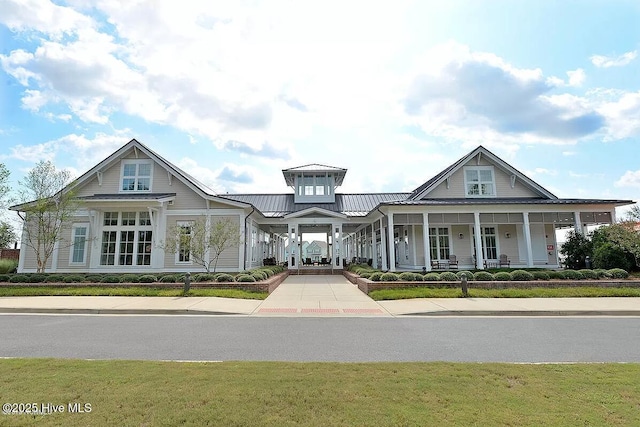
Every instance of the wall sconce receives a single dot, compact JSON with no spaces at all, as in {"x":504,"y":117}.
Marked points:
{"x":460,"y":236}
{"x":507,"y":235}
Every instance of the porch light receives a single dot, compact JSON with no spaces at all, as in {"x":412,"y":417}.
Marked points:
{"x":460,"y":236}
{"x":507,"y":235}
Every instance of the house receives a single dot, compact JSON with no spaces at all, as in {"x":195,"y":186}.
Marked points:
{"x":477,"y":209}
{"x":314,"y":251}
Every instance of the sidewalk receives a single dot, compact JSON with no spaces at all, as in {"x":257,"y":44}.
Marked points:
{"x":324,"y":296}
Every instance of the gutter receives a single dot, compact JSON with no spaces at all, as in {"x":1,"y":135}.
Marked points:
{"x":244,"y":260}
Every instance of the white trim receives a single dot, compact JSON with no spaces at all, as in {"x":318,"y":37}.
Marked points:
{"x":203,"y":212}
{"x":74,"y":227}
{"x":137,"y":175}
{"x":479,"y":169}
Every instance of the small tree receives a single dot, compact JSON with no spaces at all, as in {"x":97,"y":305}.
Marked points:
{"x":203,"y":242}
{"x":7,"y":235}
{"x":615,"y":242}
{"x":575,"y":249}
{"x":634,"y":213}
{"x":4,"y":186}
{"x":48,"y":208}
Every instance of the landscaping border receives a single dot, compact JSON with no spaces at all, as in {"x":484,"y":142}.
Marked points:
{"x":366,"y":285}
{"x":269,"y":285}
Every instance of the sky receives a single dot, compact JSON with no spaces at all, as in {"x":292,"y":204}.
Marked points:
{"x":395,"y":91}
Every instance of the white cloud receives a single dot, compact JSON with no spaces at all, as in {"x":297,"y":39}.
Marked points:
{"x":541,"y":171}
{"x":577,"y":77}
{"x":629,"y":179}
{"x":569,"y":153}
{"x":610,"y":61}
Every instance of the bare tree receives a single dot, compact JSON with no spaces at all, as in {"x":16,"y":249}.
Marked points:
{"x":203,"y":242}
{"x":634,"y":213}
{"x":48,"y":208}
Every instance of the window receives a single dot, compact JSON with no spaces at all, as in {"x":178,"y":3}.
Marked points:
{"x":184,"y":244}
{"x":489,"y":242}
{"x":314,"y":185}
{"x":136,"y":175}
{"x":479,"y":181}
{"x":126,"y":239}
{"x":79,"y":248}
{"x":439,"y":243}
{"x":108,"y":252}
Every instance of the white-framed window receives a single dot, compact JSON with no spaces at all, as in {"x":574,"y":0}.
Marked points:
{"x":479,"y":181}
{"x":439,"y":243}
{"x":126,"y":239}
{"x":183,"y":256}
{"x":79,"y":236}
{"x":136,"y":175}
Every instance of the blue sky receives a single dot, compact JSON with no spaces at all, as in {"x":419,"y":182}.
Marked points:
{"x":394,"y":91}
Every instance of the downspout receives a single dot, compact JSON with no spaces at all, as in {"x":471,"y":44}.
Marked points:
{"x":244,"y":261}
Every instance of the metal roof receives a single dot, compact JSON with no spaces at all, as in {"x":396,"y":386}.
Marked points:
{"x":279,"y":205}
{"x":514,"y":201}
{"x":123,"y":196}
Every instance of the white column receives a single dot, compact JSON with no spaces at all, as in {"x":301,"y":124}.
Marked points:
{"x":290,"y":245}
{"x":478,"y":238}
{"x":340,"y":253}
{"x":425,"y":242}
{"x":414,"y":256}
{"x":250,"y":246}
{"x":578,"y":222}
{"x":527,"y":239}
{"x":374,"y":250}
{"x":383,"y":247}
{"x":613,"y":216}
{"x":392,"y":252}
{"x":298,"y":247}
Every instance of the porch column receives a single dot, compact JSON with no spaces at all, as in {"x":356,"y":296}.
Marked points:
{"x":392,"y":252}
{"x":337,"y":246}
{"x":425,"y":241}
{"x":613,"y":216}
{"x":250,"y":247}
{"x":291,"y":245}
{"x":414,"y":256}
{"x":527,"y":239}
{"x":383,"y":247}
{"x":374,"y":250}
{"x":478,"y":238}
{"x":578,"y":222}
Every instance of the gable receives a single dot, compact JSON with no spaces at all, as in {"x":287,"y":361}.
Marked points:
{"x":480,"y":174}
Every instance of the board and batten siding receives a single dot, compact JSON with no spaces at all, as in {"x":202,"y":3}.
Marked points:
{"x":457,"y":189}
{"x":66,"y":246}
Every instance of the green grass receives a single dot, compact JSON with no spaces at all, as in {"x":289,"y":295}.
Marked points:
{"x":391,"y":294}
{"x":137,"y":393}
{"x":19,"y":291}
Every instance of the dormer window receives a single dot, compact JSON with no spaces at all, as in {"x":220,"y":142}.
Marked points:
{"x":136,"y":175}
{"x":314,"y":187}
{"x":479,"y":181}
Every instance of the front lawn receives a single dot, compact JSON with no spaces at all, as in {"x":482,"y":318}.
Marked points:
{"x":138,"y":393}
{"x":129,"y":291}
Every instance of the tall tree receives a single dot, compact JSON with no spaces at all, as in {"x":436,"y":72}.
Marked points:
{"x":48,"y":209}
{"x":203,"y":242}
{"x":4,"y":186}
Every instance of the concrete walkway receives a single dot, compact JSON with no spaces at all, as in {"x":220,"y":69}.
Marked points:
{"x":307,"y":295}
{"x":324,"y":296}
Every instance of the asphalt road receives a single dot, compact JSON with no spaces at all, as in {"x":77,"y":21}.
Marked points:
{"x":463,"y":339}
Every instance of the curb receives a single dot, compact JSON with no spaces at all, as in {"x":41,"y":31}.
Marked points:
{"x":508,"y":313}
{"x":114,"y":311}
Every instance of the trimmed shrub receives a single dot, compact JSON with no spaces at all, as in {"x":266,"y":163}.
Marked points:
{"x":259,"y":275}
{"x":588,"y":274}
{"x":618,"y":273}
{"x":269,"y":272}
{"x":8,"y":266}
{"x":169,"y":278}
{"x":611,"y":256}
{"x":131,"y":278}
{"x":483,"y":276}
{"x":540,"y":275}
{"x":503,"y":276}
{"x":110,"y":279}
{"x":94,"y":278}
{"x":4,"y":277}
{"x":465,"y":272}
{"x":418,"y":277}
{"x":601,"y":273}
{"x":245,"y":278}
{"x":366,"y":275}
{"x":54,"y":278}
{"x":406,"y":277}
{"x":203,"y":277}
{"x":431,"y":277}
{"x":224,"y":278}
{"x":148,"y":278}
{"x":389,"y":277}
{"x":556,"y":275}
{"x":37,"y":278}
{"x":19,"y":278}
{"x":521,"y":275}
{"x":573,"y":275}
{"x":74,"y":278}
{"x":448,"y":276}
{"x":375,"y":277}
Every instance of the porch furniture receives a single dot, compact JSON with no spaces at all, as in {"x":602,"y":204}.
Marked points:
{"x":453,"y":262}
{"x":504,"y":261}
{"x":307,"y":261}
